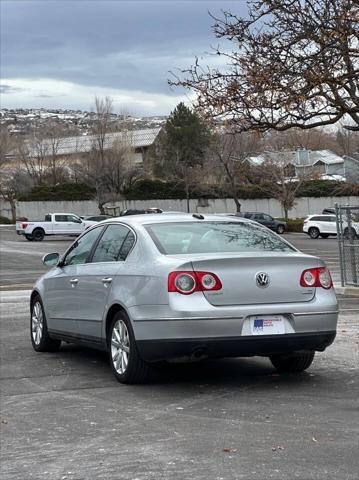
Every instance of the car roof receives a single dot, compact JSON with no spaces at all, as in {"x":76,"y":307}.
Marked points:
{"x":148,"y":218}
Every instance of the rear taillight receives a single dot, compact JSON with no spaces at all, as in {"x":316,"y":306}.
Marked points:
{"x":24,"y":225}
{"x":305,"y":221}
{"x":316,"y":277}
{"x":189,"y":282}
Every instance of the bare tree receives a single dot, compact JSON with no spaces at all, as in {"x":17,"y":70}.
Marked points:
{"x":280,"y":180}
{"x":348,"y":141}
{"x":294,"y":63}
{"x":109,"y":167}
{"x":231,"y":152}
{"x":32,"y":153}
{"x":5,"y":146}
{"x":55,"y":138}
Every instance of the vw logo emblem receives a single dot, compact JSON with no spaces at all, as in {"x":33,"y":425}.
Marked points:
{"x":262,"y":280}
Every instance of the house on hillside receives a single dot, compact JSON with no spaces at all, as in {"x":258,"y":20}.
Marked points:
{"x":323,"y":164}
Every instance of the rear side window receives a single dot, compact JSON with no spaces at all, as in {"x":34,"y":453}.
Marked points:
{"x":60,"y":218}
{"x":214,"y":237}
{"x":317,"y":219}
{"x":112,"y":244}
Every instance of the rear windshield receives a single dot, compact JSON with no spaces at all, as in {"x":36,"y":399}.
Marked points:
{"x":212,"y":237}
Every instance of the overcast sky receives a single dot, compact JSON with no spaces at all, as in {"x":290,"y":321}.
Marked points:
{"x":62,"y":53}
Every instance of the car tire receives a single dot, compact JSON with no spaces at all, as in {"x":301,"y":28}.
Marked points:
{"x":296,"y":362}
{"x":346,"y":233}
{"x":314,"y":232}
{"x":324,"y":235}
{"x":126,"y":363}
{"x":29,"y":237}
{"x":38,"y":235}
{"x":40,"y":339}
{"x":280,"y":229}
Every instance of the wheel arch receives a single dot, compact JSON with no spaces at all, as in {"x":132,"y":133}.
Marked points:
{"x":38,"y":228}
{"x":115,"y":308}
{"x":34,"y":293}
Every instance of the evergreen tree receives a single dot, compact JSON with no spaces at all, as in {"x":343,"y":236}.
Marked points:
{"x":184,"y":142}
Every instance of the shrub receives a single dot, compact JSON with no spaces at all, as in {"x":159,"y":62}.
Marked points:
{"x":5,"y":221}
{"x":294,"y":224}
{"x":60,"y":192}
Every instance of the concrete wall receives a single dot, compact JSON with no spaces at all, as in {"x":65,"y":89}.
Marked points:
{"x":37,"y":210}
{"x":304,"y":206}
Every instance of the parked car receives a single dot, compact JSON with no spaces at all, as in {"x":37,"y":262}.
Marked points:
{"x":150,"y":288}
{"x":328,"y":211}
{"x":325,"y":225}
{"x":264,"y":219}
{"x":53,"y":224}
{"x":95,"y":218}
{"x":133,"y":211}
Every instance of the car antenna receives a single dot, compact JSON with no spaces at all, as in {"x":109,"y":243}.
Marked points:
{"x":198,"y":215}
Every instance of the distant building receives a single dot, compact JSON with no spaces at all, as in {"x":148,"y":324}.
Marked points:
{"x":323,"y":164}
{"x":75,"y":147}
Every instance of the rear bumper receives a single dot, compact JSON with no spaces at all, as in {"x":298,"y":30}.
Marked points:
{"x":243,"y":346}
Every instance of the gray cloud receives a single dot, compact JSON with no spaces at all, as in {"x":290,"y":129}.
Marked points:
{"x":9,"y":89}
{"x":115,"y":44}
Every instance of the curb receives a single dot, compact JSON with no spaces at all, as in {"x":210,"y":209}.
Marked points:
{"x":347,"y":291}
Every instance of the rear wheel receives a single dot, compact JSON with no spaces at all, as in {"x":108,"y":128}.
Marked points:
{"x":29,"y":237}
{"x":126,"y":364}
{"x":38,"y":235}
{"x":324,"y":235}
{"x":294,"y":362}
{"x":40,"y":338}
{"x":314,"y":232}
{"x":280,"y":229}
{"x":349,"y":235}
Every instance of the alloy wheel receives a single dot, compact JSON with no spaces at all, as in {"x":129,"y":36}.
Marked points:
{"x":37,"y":323}
{"x":120,"y":347}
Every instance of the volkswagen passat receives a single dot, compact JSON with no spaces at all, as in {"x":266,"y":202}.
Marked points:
{"x":149,"y":288}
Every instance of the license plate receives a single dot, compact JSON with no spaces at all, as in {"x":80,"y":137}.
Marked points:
{"x":267,"y":325}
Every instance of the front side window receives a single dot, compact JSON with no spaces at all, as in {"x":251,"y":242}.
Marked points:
{"x":110,"y":247}
{"x":214,"y":237}
{"x":73,"y":218}
{"x":267,"y":218}
{"x":80,"y":250}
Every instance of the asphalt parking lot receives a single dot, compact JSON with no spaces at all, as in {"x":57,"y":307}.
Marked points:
{"x":64,"y":416}
{"x":21,"y":264}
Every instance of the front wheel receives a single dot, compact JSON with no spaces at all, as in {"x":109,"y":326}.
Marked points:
{"x":40,"y":338}
{"x":294,"y":362}
{"x":314,"y":232}
{"x":126,"y":364}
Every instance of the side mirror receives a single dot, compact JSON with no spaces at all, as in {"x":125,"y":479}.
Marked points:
{"x":51,"y":259}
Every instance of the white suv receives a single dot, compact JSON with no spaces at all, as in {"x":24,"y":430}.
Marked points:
{"x":325,"y":225}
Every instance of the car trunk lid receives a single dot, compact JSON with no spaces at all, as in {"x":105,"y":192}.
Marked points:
{"x":244,"y":278}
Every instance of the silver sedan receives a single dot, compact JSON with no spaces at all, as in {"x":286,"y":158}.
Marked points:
{"x":150,"y":288}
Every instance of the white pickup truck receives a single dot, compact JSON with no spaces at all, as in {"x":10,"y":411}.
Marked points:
{"x":53,"y":224}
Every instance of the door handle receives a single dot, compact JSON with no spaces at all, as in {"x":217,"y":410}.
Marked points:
{"x":74,"y":281}
{"x":106,"y":280}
